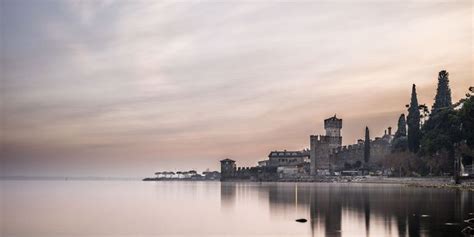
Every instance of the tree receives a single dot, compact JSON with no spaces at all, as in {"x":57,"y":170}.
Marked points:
{"x":448,"y":136}
{"x":424,"y":113}
{"x":413,"y":122}
{"x":466,"y":114}
{"x":367,"y":145}
{"x":404,"y":163}
{"x":402,"y":127}
{"x":399,"y":143}
{"x":443,"y":92}
{"x":441,"y":135}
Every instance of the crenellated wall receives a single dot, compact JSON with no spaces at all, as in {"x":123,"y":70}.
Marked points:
{"x":352,"y":156}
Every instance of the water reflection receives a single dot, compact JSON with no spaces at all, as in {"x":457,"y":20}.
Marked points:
{"x":209,"y":209}
{"x":360,"y":209}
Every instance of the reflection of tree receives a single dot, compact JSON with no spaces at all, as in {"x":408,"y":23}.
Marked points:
{"x":402,"y":206}
{"x":367,"y":213}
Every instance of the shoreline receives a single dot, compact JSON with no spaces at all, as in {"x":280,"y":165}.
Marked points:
{"x":437,"y":182}
{"x":422,"y":182}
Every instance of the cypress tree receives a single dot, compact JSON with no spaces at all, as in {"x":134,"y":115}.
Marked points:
{"x":413,"y":122}
{"x":402,"y":127}
{"x":443,"y":92}
{"x":367,"y":145}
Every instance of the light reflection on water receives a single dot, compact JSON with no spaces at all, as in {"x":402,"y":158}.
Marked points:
{"x":125,"y":208}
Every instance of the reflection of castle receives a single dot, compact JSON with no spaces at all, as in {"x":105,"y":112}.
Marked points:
{"x":375,"y":210}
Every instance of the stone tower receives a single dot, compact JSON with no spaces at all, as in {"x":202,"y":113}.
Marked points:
{"x":228,"y":169}
{"x":323,"y":145}
{"x":333,"y":126}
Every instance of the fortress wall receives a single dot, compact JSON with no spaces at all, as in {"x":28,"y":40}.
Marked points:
{"x":353,"y":153}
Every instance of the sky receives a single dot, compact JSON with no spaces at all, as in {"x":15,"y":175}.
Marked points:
{"x":127,"y":88}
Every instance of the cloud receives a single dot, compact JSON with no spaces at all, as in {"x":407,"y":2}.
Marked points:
{"x":188,"y":82}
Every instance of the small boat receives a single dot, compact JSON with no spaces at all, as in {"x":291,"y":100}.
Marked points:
{"x":302,"y":220}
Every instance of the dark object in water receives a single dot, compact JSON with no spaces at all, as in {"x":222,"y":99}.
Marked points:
{"x":302,"y":220}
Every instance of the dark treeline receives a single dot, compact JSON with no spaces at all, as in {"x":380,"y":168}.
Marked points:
{"x":437,"y":142}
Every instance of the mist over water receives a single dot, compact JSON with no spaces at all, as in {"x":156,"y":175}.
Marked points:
{"x":134,"y":208}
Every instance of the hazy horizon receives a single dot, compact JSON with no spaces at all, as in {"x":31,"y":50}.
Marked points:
{"x":106,"y":88}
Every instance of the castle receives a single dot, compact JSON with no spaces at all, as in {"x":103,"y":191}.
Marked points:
{"x":328,"y":155}
{"x":322,"y":146}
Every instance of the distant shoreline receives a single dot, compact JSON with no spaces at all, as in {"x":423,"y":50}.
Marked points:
{"x":178,"y":179}
{"x":72,"y":178}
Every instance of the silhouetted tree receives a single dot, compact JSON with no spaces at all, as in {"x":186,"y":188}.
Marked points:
{"x":424,"y":113}
{"x":404,"y":163}
{"x":466,"y":114}
{"x":443,"y":92}
{"x":441,"y":133}
{"x":367,"y":145}
{"x":413,"y":122}
{"x":445,"y":132}
{"x":401,"y":127}
{"x":399,"y":143}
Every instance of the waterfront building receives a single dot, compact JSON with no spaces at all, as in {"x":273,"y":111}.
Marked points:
{"x":211,"y":175}
{"x":263,"y":163}
{"x":287,"y":158}
{"x":328,"y":155}
{"x":228,"y":168}
{"x":321,"y":146}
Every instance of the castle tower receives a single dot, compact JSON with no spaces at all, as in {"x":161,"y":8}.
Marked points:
{"x":228,"y":169}
{"x":321,"y":146}
{"x":333,"y":126}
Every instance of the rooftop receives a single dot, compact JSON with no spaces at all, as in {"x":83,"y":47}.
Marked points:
{"x":227,"y":160}
{"x":333,"y":118}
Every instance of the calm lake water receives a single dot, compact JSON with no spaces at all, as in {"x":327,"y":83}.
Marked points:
{"x":134,"y":208}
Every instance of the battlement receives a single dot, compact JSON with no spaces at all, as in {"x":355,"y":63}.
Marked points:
{"x":347,"y":149}
{"x":323,"y":139}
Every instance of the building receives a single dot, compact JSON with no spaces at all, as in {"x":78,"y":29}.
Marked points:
{"x":211,"y":175}
{"x":328,"y":155}
{"x":263,"y":163}
{"x":321,"y":146}
{"x":351,"y":157}
{"x":288,"y":163}
{"x":228,"y":168}
{"x":287,"y":158}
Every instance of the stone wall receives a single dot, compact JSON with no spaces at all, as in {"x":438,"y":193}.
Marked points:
{"x":320,"y":149}
{"x":352,"y":156}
